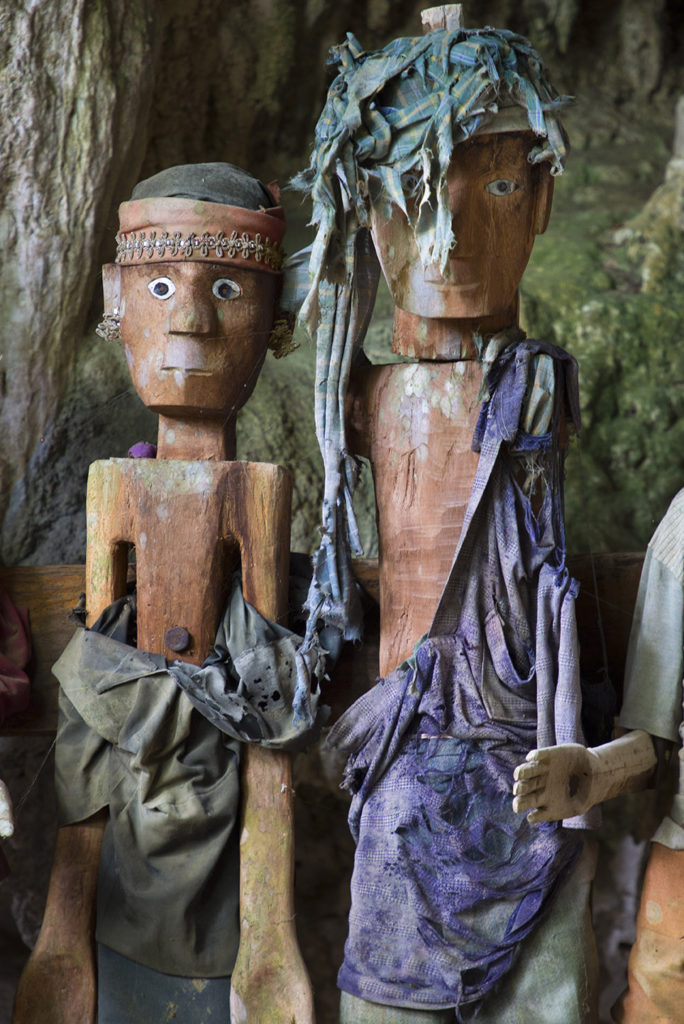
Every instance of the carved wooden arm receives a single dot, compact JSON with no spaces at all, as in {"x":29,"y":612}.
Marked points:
{"x":270,"y":981}
{"x":58,"y":984}
{"x":560,"y":782}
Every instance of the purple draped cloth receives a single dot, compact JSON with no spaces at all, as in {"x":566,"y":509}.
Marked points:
{"x":447,"y":879}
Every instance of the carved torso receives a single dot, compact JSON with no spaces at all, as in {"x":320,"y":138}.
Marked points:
{"x":421,"y":497}
{"x":192,"y":523}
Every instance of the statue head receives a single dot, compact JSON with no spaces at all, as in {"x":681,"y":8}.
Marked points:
{"x":498,"y":202}
{"x":195,"y":285}
{"x":445,"y":147}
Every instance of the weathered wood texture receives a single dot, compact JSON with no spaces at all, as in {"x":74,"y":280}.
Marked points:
{"x":398,"y":411}
{"x":189,"y":522}
{"x":59,"y":984}
{"x":269,"y":981}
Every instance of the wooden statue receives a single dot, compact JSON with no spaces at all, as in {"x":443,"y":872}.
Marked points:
{"x":428,"y":145}
{"x":571,"y":778}
{"x":194,"y":291}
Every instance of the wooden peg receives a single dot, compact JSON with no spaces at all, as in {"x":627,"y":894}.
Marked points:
{"x":448,"y":16}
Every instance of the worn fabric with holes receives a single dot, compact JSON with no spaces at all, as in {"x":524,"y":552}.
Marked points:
{"x":159,"y":745}
{"x":448,"y":882}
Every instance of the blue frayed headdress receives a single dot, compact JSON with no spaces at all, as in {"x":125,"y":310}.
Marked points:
{"x":388,"y":112}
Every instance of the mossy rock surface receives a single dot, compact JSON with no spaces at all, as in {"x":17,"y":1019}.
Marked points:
{"x":586,"y":289}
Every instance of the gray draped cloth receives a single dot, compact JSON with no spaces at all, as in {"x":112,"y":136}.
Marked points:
{"x":159,"y":744}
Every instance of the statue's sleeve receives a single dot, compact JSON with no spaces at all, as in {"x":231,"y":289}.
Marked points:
{"x":655,"y":657}
{"x":653,"y":674}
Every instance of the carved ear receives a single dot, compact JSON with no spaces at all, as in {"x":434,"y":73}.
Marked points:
{"x":111,"y":288}
{"x":543,"y":200}
{"x":274,"y":188}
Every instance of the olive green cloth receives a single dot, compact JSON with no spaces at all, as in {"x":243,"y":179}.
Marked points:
{"x":209,"y":183}
{"x":130,"y":738}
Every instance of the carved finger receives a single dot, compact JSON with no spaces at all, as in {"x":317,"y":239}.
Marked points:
{"x":525,"y":803}
{"x":541,"y":754}
{"x":540,"y":814}
{"x":528,"y":786}
{"x":530,"y":770}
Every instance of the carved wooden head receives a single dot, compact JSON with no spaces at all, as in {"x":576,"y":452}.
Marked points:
{"x":195,"y":334}
{"x":195,"y":284}
{"x":499,"y":202}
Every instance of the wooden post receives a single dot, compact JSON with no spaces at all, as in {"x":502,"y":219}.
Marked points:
{"x":447,"y":16}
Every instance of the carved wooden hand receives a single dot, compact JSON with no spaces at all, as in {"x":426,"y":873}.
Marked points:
{"x":554,"y":783}
{"x":6,"y":816}
{"x":560,"y":782}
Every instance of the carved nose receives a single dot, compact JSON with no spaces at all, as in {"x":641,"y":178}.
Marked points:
{"x":192,"y":318}
{"x":464,"y":219}
{"x":461,"y":225}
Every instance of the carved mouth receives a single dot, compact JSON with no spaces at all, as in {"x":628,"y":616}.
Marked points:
{"x":458,"y":272}
{"x":187,"y":371}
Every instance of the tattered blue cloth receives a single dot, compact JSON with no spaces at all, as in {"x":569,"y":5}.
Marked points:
{"x":447,"y":879}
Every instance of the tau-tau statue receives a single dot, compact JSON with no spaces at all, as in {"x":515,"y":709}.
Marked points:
{"x":150,"y":745}
{"x":570,"y":779}
{"x":434,"y":158}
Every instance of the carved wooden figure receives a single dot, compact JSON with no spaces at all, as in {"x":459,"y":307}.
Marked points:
{"x":415,"y":421}
{"x":195,"y":288}
{"x":570,"y":778}
{"x":451,"y":172}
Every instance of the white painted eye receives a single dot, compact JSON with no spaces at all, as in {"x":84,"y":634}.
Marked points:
{"x":501,"y":187}
{"x":161,"y":288}
{"x":224,"y":288}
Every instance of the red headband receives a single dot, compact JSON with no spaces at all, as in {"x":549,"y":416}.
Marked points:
{"x":173,"y":229}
